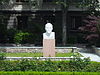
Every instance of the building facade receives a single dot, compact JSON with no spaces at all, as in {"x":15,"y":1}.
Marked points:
{"x":32,"y":15}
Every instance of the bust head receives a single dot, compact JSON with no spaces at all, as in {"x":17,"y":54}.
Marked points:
{"x":49,"y":34}
{"x":48,"y":28}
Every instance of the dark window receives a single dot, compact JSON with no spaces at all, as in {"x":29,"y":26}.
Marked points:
{"x":21,"y":0}
{"x":22,"y":22}
{"x":76,"y":21}
{"x":47,"y":0}
{"x":75,"y":0}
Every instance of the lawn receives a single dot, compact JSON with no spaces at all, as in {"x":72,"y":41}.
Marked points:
{"x":49,"y":73}
{"x":39,"y":54}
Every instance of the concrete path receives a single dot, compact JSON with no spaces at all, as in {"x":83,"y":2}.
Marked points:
{"x":93,"y":57}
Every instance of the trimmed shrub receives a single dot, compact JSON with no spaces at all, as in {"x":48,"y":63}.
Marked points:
{"x":44,"y":66}
{"x":23,"y":37}
{"x":74,"y":65}
{"x":77,"y":64}
{"x":93,"y":67}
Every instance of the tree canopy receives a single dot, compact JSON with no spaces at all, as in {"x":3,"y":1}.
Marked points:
{"x":91,"y":5}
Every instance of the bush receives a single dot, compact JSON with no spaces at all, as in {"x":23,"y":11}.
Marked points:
{"x":2,"y":56}
{"x":23,"y":37}
{"x":27,"y":65}
{"x":93,"y":67}
{"x":74,"y":65}
{"x":77,"y":64}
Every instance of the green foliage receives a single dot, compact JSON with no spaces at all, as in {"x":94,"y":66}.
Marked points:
{"x":33,"y":2}
{"x":2,"y":56}
{"x":88,"y":3}
{"x":62,"y":2}
{"x":77,"y":64}
{"x":47,"y":66}
{"x":93,"y":67}
{"x":91,"y":5}
{"x":23,"y":37}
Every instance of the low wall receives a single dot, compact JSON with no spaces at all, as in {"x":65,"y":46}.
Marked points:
{"x":36,"y":49}
{"x":97,"y":51}
{"x":41,"y":58}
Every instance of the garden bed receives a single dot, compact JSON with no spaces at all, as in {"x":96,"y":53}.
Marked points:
{"x":40,"y":54}
{"x":73,"y":65}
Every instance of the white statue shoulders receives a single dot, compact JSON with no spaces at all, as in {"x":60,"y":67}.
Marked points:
{"x":49,"y":36}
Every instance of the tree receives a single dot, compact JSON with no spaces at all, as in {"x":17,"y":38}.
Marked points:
{"x":65,"y":5}
{"x":89,"y":5}
{"x":91,"y":29}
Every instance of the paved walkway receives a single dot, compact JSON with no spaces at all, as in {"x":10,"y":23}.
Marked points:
{"x":93,"y":57}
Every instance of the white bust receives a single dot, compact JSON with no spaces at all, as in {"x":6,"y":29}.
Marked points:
{"x":49,"y":34}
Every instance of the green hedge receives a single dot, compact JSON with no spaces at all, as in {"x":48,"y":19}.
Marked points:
{"x":49,"y":73}
{"x":92,"y":67}
{"x":74,"y":65}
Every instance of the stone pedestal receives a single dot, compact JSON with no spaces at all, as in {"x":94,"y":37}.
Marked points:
{"x":48,"y":47}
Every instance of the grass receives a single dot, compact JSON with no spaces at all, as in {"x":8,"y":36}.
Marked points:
{"x":49,"y":73}
{"x":39,"y":54}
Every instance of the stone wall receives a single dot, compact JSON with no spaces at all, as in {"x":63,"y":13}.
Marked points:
{"x":97,"y":51}
{"x":36,"y":49}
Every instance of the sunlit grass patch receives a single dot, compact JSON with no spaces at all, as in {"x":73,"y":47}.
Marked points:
{"x":40,"y":54}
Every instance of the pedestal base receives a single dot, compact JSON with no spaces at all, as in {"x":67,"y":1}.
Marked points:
{"x":48,"y":47}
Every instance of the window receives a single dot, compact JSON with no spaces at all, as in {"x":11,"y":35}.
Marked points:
{"x":22,"y":22}
{"x":22,"y":0}
{"x":76,"y":21}
{"x":47,"y":0}
{"x":75,"y":0}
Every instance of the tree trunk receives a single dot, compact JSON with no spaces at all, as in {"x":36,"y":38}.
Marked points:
{"x":64,"y":33}
{"x":64,"y":23}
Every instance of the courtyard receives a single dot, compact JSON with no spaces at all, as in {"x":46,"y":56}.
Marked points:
{"x":49,"y":37}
